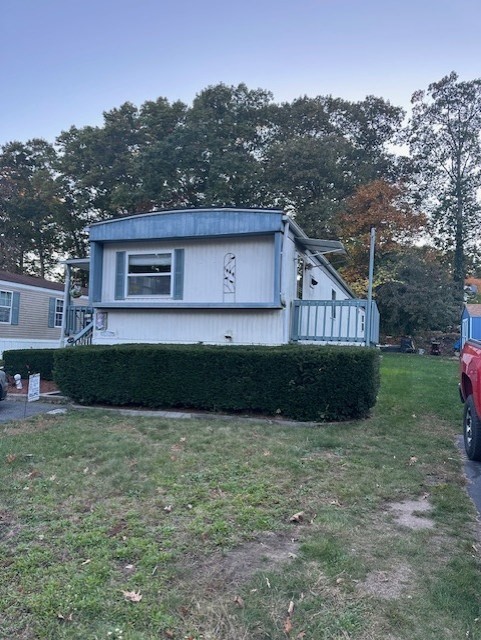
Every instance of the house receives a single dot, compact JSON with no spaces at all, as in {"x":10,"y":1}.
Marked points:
{"x":217,"y":276}
{"x":31,"y":312}
{"x":470,"y":323}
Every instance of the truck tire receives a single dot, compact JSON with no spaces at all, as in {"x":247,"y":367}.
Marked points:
{"x":472,"y":430}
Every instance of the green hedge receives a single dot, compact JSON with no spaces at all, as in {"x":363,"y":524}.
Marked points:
{"x":25,"y":361}
{"x":300,"y":382}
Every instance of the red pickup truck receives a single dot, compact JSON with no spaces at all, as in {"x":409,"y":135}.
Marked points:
{"x":470,"y":391}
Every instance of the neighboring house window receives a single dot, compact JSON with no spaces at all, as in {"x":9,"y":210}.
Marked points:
{"x":149,"y":274}
{"x":58,"y":312}
{"x":6,"y":298}
{"x":363,"y":323}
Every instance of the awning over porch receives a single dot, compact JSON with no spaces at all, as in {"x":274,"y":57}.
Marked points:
{"x":319,"y":246}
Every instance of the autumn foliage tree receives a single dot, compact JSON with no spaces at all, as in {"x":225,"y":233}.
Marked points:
{"x":386,"y":207}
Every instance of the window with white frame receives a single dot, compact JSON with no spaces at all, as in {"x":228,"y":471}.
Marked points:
{"x":6,"y":307}
{"x":58,"y":312}
{"x":149,"y":274}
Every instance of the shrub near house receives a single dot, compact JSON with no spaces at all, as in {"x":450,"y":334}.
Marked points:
{"x":299,"y":382}
{"x":27,"y":361}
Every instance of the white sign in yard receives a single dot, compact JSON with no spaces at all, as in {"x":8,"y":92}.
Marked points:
{"x":34,"y":387}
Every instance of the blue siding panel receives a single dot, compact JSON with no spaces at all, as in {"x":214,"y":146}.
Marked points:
{"x":120,"y":274}
{"x":15,"y":307}
{"x":96,"y":271}
{"x":52,"y":303}
{"x":277,"y":267}
{"x":187,"y":224}
{"x":178,"y":292}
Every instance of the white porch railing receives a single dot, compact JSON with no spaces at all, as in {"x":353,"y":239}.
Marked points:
{"x":333,"y":321}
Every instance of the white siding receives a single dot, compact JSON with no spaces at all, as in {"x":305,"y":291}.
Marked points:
{"x":191,"y":326}
{"x":204,"y":267}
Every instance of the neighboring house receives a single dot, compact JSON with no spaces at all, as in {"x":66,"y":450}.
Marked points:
{"x":217,"y":276}
{"x":31,"y":312}
{"x":471,"y":322}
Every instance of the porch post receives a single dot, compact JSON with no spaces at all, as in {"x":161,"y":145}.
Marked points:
{"x":66,"y":304}
{"x":367,"y":330}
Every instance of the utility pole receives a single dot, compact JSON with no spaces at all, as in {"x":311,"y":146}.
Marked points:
{"x":367,"y":330}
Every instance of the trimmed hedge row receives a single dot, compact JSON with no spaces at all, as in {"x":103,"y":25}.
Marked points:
{"x":300,"y":382}
{"x":27,"y":361}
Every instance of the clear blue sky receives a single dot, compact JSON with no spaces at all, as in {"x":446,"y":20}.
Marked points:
{"x":64,"y":62}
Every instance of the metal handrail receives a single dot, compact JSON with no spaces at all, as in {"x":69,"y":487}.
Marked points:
{"x":83,"y":337}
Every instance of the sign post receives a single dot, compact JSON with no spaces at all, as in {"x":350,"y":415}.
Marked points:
{"x":34,"y":387}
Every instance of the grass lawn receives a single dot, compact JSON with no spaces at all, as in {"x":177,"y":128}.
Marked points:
{"x":144,"y":528}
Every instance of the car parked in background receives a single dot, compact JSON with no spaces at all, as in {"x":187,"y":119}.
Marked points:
{"x":470,"y":391}
{"x":3,"y":385}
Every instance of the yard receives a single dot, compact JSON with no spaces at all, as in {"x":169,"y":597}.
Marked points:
{"x":141,"y":528}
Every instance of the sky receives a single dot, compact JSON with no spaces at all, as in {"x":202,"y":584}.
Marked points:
{"x":65,"y":62}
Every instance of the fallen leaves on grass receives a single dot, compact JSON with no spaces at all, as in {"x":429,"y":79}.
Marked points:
{"x":63,"y":618}
{"x":297,"y":517}
{"x":239,"y":602}
{"x":10,"y":457}
{"x":132,"y":596}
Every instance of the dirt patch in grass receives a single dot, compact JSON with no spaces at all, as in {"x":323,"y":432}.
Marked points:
{"x":407,"y":513}
{"x":232,"y":569}
{"x":33,"y":424}
{"x":388,"y":585}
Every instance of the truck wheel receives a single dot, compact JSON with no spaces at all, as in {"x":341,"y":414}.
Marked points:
{"x":472,"y":430}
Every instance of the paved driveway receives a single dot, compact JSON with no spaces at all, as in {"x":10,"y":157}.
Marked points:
{"x":19,"y":409}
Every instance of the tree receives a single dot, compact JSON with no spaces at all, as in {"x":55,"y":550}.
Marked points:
{"x":161,"y":125}
{"x":99,"y":165}
{"x":309,"y":177}
{"x":419,"y":295}
{"x":444,"y":137}
{"x":31,"y":206}
{"x":386,"y":207}
{"x":218,"y":151}
{"x":322,"y":149}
